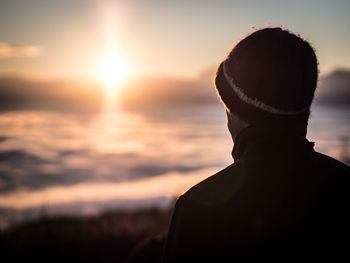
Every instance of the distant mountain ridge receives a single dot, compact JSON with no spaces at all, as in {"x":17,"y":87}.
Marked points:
{"x":334,"y":88}
{"x":21,"y":93}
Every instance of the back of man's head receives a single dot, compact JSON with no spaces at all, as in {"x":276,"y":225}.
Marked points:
{"x":270,"y":75}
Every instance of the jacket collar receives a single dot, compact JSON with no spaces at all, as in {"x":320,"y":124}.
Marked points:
{"x":272,"y":139}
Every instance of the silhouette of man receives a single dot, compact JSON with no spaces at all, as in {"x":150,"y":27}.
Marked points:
{"x":279,"y":199}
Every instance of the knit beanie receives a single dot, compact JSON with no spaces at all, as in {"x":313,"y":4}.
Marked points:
{"x":269,"y":75}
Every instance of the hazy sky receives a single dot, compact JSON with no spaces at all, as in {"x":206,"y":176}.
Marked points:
{"x":67,"y":38}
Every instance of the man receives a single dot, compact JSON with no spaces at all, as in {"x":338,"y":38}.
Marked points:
{"x":279,"y":199}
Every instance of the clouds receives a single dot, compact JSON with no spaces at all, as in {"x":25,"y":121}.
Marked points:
{"x":19,"y":51}
{"x":163,"y":186}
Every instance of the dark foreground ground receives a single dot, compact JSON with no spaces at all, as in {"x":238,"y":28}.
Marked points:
{"x":131,"y":236}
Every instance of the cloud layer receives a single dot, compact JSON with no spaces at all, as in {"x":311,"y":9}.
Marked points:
{"x":11,"y":50}
{"x":166,"y":185}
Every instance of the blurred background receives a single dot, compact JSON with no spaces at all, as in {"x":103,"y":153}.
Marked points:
{"x":110,"y":105}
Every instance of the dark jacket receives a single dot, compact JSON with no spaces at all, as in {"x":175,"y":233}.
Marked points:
{"x":280,"y":199}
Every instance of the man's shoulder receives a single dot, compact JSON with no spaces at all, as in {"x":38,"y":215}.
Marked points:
{"x":217,"y":188}
{"x":329,"y":164}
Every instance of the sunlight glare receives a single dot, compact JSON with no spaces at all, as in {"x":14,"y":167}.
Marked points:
{"x":112,"y":69}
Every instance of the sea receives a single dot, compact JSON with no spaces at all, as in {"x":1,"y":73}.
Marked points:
{"x":61,"y":163}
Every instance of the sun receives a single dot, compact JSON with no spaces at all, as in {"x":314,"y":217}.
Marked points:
{"x":112,"y":69}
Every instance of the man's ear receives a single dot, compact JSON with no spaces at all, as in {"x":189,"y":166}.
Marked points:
{"x":227,"y":114}
{"x":234,"y":124}
{"x":230,"y":123}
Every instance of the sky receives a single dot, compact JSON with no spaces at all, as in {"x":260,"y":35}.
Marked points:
{"x":67,"y":39}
